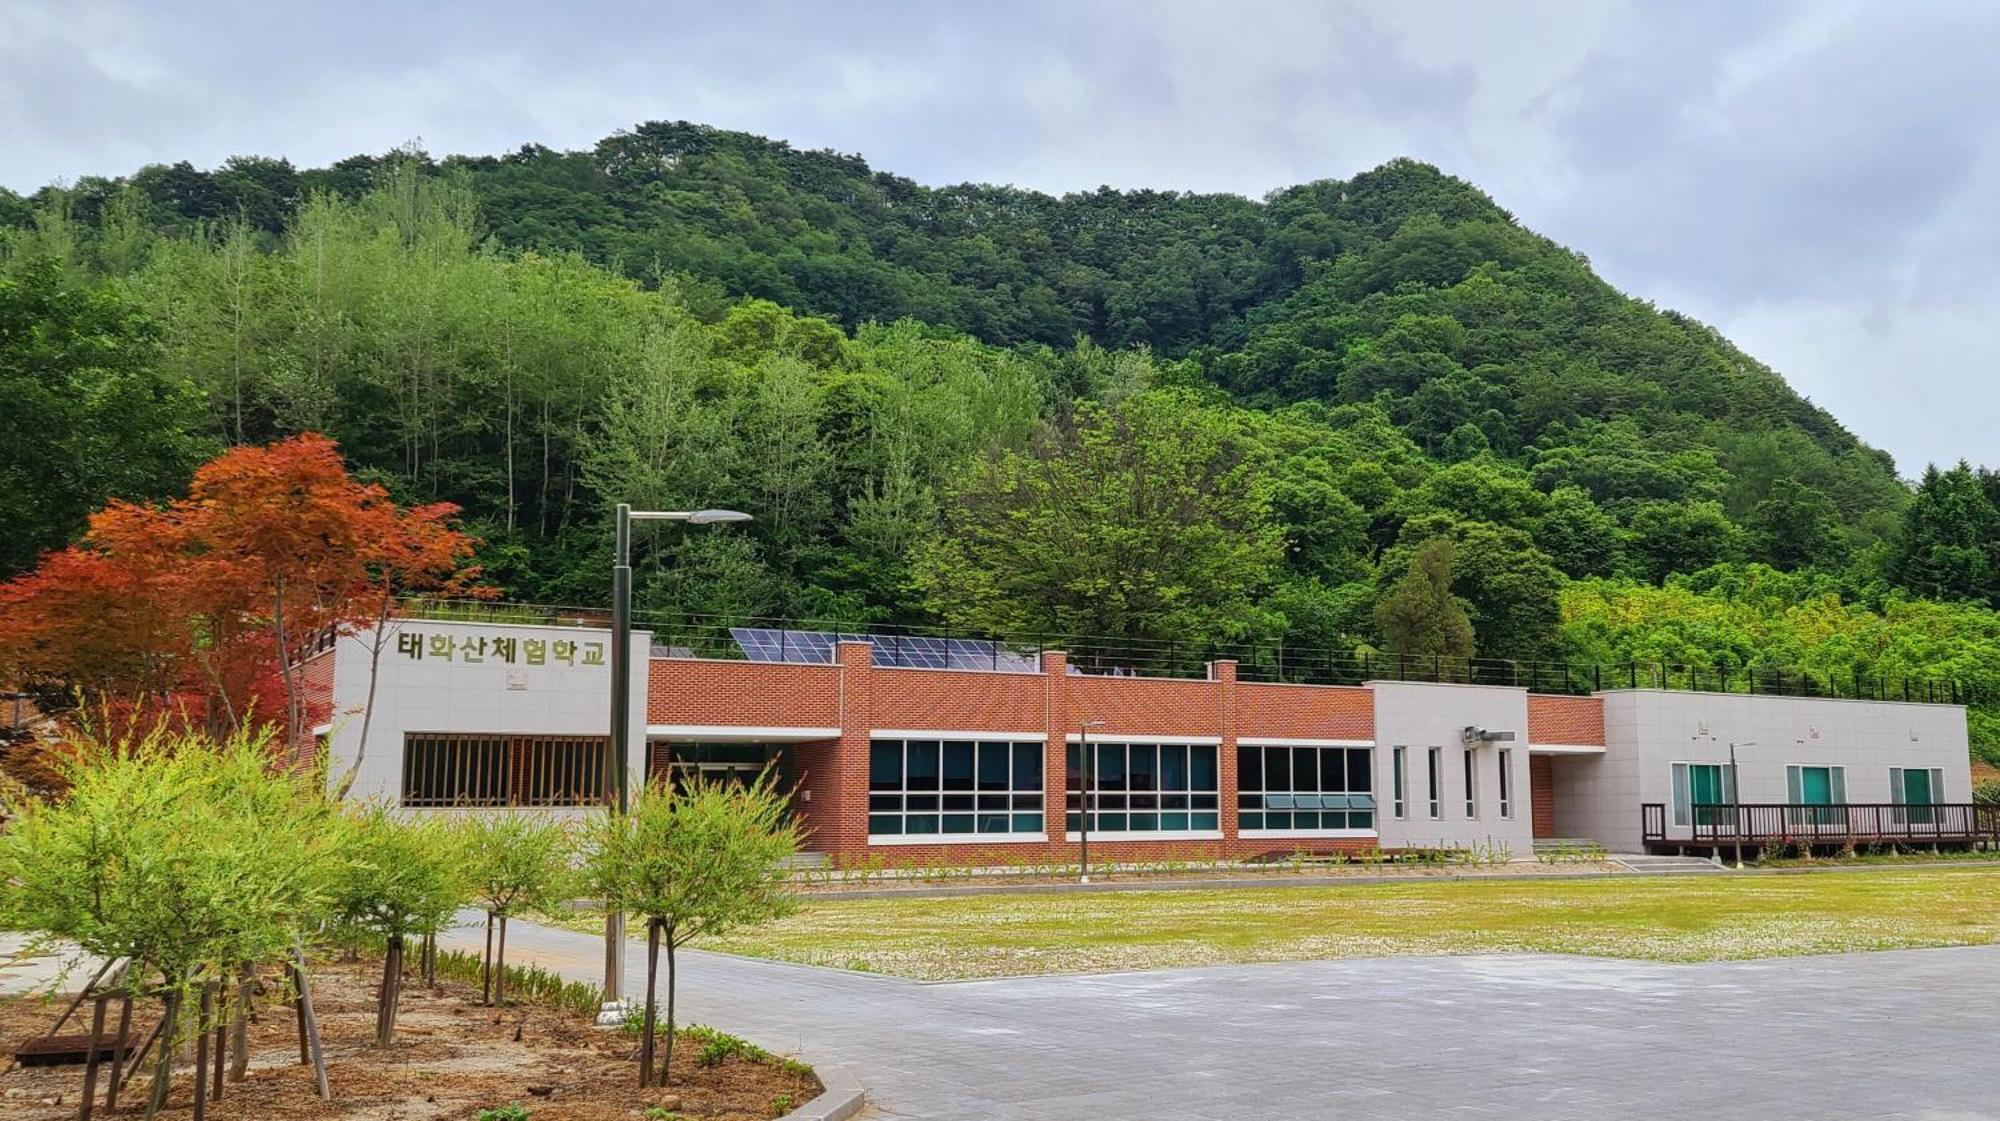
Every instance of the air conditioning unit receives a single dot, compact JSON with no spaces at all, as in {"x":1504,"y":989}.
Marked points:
{"x":1477,"y":735}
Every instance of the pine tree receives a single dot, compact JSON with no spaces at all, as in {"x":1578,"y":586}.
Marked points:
{"x":1420,"y":615}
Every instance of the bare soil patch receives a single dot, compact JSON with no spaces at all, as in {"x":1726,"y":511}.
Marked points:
{"x":452,"y":1058}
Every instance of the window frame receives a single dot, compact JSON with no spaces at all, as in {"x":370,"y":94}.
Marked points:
{"x":1471,"y":783}
{"x":1256,"y":799}
{"x":1124,"y":799}
{"x":962,"y":789}
{"x":507,"y":771}
{"x":1505,"y":756}
{"x":1435,"y":763}
{"x":1399,"y":805}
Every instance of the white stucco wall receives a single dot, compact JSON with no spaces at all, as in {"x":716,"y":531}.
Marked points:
{"x":1420,"y":716}
{"x":435,"y":694}
{"x":1647,"y":731}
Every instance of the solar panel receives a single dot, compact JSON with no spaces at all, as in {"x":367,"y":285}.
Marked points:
{"x":767,"y":644}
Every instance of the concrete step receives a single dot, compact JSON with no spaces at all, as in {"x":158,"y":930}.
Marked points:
{"x":1544,"y":844}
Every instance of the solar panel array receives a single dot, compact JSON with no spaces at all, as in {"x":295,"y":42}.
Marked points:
{"x":765,"y":644}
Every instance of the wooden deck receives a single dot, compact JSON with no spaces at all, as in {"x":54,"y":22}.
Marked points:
{"x":1853,"y":824}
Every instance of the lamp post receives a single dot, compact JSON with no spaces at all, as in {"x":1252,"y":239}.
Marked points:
{"x":1087,"y":760}
{"x":620,"y":746}
{"x":1736,"y":797}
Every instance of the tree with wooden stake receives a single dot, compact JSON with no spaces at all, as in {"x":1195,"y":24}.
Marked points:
{"x":513,"y":863}
{"x":401,"y":879}
{"x":184,"y":856}
{"x":693,"y":862}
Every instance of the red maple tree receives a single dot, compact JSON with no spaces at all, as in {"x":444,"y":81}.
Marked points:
{"x":195,"y":610}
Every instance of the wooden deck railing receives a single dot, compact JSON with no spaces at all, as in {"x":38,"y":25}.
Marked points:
{"x":1795,"y":823}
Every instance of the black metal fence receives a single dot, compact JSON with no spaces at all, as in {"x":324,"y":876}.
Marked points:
{"x":709,"y":636}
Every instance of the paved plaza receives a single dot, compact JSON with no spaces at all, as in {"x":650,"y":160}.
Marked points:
{"x":1904,"y":1034}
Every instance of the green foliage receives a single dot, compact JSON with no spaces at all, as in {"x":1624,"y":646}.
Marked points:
{"x":1949,"y":537}
{"x":175,"y":851}
{"x":89,"y":414}
{"x":1140,"y":522}
{"x":513,"y":1111}
{"x":515,"y":862}
{"x":1419,"y":615}
{"x":402,"y":877}
{"x":694,"y":862}
{"x":1741,"y":617}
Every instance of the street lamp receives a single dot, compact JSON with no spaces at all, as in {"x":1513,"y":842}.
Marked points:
{"x":1087,"y":760}
{"x":619,"y":749}
{"x":1736,"y":797}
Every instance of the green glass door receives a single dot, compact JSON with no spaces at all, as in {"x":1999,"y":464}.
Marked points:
{"x":1705,"y":793}
{"x":1917,"y":795}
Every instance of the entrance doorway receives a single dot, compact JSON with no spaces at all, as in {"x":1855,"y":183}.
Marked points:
{"x":737,"y":764}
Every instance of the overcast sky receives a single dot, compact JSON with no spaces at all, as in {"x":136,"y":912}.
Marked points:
{"x":1818,"y":180}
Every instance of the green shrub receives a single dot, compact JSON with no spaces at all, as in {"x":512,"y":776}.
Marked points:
{"x":512,"y":1111}
{"x":781,"y":1105}
{"x":1986,"y":792}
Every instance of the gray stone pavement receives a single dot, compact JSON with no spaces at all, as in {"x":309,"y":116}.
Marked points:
{"x":1906,"y":1034}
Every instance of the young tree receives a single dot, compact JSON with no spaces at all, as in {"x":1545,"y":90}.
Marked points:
{"x":1419,"y":614}
{"x":185,"y":856}
{"x":401,"y":880}
{"x":513,"y":863}
{"x":693,"y":862}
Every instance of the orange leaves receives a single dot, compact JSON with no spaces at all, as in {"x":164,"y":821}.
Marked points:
{"x":195,"y":600}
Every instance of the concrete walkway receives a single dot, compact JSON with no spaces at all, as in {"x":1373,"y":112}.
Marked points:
{"x":1888,"y":1035}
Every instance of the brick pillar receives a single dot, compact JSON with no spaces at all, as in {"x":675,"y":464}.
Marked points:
{"x":1055,"y":753}
{"x":843,"y":826}
{"x":1223,"y":673}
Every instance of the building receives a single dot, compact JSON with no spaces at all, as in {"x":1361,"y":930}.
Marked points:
{"x":903,"y":758}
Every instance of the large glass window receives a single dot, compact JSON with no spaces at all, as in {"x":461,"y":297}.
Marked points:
{"x":1506,"y":782}
{"x":1305,"y":788}
{"x":1146,"y":788}
{"x":950,"y":788}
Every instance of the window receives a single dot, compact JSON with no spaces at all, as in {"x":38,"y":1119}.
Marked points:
{"x":1305,"y":788}
{"x":1506,"y":782}
{"x":1146,"y":788}
{"x":1822,"y":789}
{"x":1699,"y":788}
{"x":1396,"y":804}
{"x":1471,"y":785}
{"x":945,"y":788}
{"x":1436,"y":760}
{"x":448,"y":770}
{"x":1915,"y":791}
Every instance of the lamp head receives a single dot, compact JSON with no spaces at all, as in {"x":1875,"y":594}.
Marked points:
{"x":711,"y":517}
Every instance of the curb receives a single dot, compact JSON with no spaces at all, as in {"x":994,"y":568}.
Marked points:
{"x":842,"y":1098}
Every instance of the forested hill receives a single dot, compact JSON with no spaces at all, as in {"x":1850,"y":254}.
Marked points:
{"x":1127,"y":413}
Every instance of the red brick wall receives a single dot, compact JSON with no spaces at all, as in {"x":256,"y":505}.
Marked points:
{"x":1305,"y":711}
{"x":1542,"y":793}
{"x":314,"y":677}
{"x":1576,"y":720}
{"x":748,"y":694}
{"x":993,"y":702}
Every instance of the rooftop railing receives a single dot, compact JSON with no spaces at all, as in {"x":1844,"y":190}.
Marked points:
{"x":709,"y":636}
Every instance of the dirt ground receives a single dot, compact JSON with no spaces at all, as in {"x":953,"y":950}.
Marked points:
{"x":452,"y":1058}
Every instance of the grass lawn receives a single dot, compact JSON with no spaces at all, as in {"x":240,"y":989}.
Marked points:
{"x":1685,"y":918}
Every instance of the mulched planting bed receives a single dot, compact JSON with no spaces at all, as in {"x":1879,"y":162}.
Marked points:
{"x":452,"y":1058}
